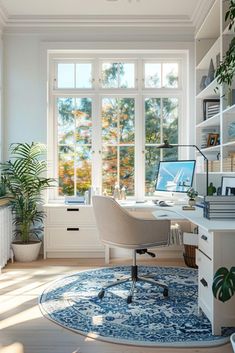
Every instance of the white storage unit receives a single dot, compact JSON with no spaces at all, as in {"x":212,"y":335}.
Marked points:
{"x":70,"y":231}
{"x":215,"y":249}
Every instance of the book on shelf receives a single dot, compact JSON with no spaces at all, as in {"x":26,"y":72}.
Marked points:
{"x":220,"y":206}
{"x":221,"y":198}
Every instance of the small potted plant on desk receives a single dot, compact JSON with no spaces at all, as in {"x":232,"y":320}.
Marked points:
{"x":192,"y":194}
{"x":223,"y":288}
{"x":23,"y":178}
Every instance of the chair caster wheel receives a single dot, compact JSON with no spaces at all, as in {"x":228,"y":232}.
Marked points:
{"x":101,"y":294}
{"x":165,"y":292}
{"x":129,"y":299}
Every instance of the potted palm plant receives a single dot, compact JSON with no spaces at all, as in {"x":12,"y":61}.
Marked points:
{"x":23,"y":177}
{"x":223,"y":288}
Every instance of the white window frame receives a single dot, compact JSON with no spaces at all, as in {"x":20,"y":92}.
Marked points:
{"x":97,"y":93}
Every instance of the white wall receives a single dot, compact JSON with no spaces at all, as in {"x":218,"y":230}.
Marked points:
{"x":25,"y":106}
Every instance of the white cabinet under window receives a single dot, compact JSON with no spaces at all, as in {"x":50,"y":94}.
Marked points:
{"x":70,"y":231}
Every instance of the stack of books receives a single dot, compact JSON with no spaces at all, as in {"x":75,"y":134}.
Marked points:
{"x":219,"y":207}
{"x":212,"y":110}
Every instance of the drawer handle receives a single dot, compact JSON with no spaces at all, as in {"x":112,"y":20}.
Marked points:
{"x":72,"y":229}
{"x":204,"y":237}
{"x":72,"y":209}
{"x":204,"y":282}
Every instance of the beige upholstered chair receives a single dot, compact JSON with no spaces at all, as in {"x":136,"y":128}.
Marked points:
{"x":118,"y":228}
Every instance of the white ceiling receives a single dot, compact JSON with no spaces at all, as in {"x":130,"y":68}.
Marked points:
{"x":167,"y":15}
{"x":165,"y":8}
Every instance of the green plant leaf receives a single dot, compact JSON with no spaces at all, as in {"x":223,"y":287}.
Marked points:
{"x":224,"y":284}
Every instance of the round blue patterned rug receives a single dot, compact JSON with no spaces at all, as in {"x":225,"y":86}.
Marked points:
{"x":150,"y":319}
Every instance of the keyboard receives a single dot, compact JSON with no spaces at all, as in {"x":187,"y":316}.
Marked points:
{"x":163,"y":203}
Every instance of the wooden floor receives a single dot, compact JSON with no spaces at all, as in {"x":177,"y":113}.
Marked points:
{"x":22,"y":321}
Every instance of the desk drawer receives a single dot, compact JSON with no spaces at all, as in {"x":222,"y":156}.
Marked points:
{"x":205,"y":242}
{"x":205,"y":276}
{"x":72,"y":238}
{"x":70,"y":215}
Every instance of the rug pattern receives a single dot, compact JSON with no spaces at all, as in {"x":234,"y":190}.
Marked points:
{"x":150,"y":320}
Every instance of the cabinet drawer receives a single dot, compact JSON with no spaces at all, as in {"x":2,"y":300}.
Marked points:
{"x":205,"y":277}
{"x":205,"y":242}
{"x":72,"y":238}
{"x":70,"y":215}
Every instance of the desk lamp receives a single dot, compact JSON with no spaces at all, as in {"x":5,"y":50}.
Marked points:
{"x":167,"y":145}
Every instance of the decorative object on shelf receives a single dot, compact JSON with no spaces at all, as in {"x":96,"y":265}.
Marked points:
{"x":226,"y":70}
{"x":166,"y":144}
{"x":203,"y":82}
{"x":23,"y":177}
{"x":211,"y":107}
{"x":228,"y":185}
{"x":211,"y":73}
{"x":231,"y":131}
{"x":212,"y":140}
{"x":192,"y":194}
{"x":211,"y":189}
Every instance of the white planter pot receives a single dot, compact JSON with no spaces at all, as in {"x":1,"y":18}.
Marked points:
{"x":26,"y":252}
{"x":232,"y":339}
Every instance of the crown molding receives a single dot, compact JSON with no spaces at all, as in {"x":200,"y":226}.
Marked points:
{"x":23,"y":23}
{"x":94,"y":21}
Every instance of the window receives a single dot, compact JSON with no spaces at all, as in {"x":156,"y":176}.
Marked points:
{"x":118,"y":142}
{"x":109,"y":116}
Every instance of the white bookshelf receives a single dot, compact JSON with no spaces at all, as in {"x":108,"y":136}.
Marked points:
{"x":212,"y":42}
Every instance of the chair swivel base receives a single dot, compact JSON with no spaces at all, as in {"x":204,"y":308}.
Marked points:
{"x":134,"y":279}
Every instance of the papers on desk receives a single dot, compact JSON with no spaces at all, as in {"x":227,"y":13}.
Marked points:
{"x":167,"y":214}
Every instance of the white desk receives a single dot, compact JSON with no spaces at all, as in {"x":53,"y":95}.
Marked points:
{"x":216,"y":248}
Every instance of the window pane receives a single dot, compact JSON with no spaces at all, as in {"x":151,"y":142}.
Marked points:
{"x":84,"y":75}
{"x":109,"y":120}
{"x":83,"y":169}
{"x":127,"y":75}
{"x":152,"y":120}
{"x":83,"y":120}
{"x":109,"y":169}
{"x":127,"y":170}
{"x":66,"y":121}
{"x":152,"y":74}
{"x":152,"y":158}
{"x":170,"y":154}
{"x":110,"y":75}
{"x":170,"y":75}
{"x":170,"y":119}
{"x":127,"y":120}
{"x":65,"y":75}
{"x":66,"y":170}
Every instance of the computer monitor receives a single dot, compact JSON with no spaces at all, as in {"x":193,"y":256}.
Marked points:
{"x":175,"y":176}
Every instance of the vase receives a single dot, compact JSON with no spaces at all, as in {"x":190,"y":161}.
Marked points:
{"x":26,"y":252}
{"x":191,"y":202}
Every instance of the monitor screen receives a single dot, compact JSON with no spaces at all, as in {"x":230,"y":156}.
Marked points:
{"x":175,"y":176}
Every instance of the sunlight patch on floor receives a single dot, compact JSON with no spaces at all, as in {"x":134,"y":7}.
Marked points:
{"x":26,"y":315}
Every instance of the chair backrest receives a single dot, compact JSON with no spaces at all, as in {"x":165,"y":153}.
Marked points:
{"x":119,"y":228}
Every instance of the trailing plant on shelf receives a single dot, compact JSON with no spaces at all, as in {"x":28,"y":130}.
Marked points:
{"x":226,"y":70}
{"x":23,"y":177}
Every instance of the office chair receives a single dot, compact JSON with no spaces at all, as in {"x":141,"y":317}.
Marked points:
{"x":118,"y":228}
